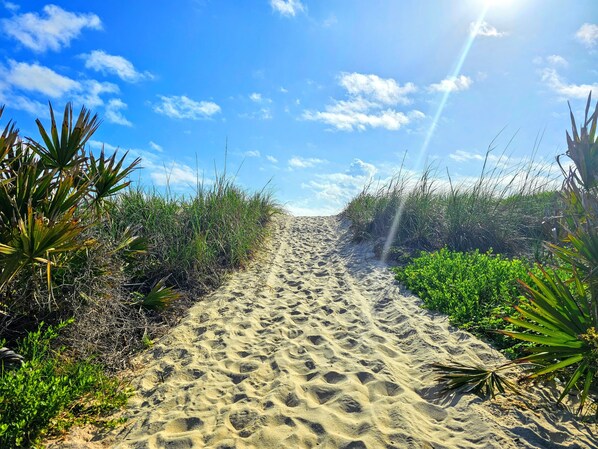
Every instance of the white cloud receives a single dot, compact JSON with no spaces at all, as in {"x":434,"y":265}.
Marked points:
{"x":154,"y":146}
{"x":452,"y":84}
{"x":305,"y":208}
{"x":91,"y":92}
{"x":174,"y":174}
{"x":351,"y":120}
{"x":557,"y":60}
{"x":588,"y":34}
{"x":299,"y":162}
{"x":272,"y":159}
{"x":334,"y":190}
{"x":361,"y":168}
{"x":283,"y":90}
{"x":484,"y":29}
{"x":264,"y":113}
{"x":464,"y":156}
{"x":113,"y":112}
{"x":255,"y":97}
{"x":46,"y":82}
{"x":51,"y":31}
{"x":554,"y":81}
{"x":22,"y":103}
{"x":162,"y":172}
{"x":98,"y":145}
{"x":251,"y":153}
{"x":101,"y":61}
{"x":11,"y":6}
{"x":374,"y":88}
{"x":288,"y":8}
{"x":40,"y":79}
{"x":184,"y":107}
{"x":369,"y":104}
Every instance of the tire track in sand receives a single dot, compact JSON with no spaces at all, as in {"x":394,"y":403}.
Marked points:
{"x":315,"y":346}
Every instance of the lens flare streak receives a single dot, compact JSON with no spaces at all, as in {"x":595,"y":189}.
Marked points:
{"x":437,"y":116}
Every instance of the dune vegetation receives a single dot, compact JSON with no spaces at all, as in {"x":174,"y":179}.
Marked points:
{"x":509,"y":258}
{"x":92,"y":270}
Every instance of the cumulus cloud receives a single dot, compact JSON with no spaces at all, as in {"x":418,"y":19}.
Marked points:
{"x":287,"y":8}
{"x":272,"y":159}
{"x":452,"y":84}
{"x":464,"y":156}
{"x":184,"y":107}
{"x":174,"y":174}
{"x":299,"y":162}
{"x":23,"y":103}
{"x":385,"y":91}
{"x":370,"y":103}
{"x":336,"y":189}
{"x":566,"y":90}
{"x":52,"y":30}
{"x":484,"y":29}
{"x":46,"y":83}
{"x":163,"y":172}
{"x":350,"y":120}
{"x":154,"y":146}
{"x":40,"y":79}
{"x":113,"y":112}
{"x":92,"y":91}
{"x":102,"y":62}
{"x":588,"y":34}
{"x":557,"y":60}
{"x":11,"y":6}
{"x":252,"y":153}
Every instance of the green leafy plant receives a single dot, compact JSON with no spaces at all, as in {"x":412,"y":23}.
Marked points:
{"x":476,"y":290}
{"x":49,"y":392}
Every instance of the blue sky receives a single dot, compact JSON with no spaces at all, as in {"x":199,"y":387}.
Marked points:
{"x":317,"y":96}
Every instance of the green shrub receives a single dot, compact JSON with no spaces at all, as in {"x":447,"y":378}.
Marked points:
{"x":476,"y":290}
{"x":50,"y":392}
{"x":50,"y":192}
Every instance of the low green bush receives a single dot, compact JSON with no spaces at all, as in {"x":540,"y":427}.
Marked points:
{"x":476,"y":290}
{"x":50,"y":392}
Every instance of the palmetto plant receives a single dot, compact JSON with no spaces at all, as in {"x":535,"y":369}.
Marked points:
{"x":49,"y":192}
{"x":560,"y":317}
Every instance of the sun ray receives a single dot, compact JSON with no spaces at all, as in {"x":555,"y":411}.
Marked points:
{"x":437,"y":116}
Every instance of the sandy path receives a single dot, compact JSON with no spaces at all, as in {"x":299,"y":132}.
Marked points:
{"x":314,"y":346}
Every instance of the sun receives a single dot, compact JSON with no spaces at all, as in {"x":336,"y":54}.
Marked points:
{"x":497,"y":3}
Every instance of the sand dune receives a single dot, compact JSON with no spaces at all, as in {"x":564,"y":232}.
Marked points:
{"x":316,"y":346}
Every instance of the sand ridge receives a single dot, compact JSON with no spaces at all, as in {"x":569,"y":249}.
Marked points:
{"x":314,"y":345}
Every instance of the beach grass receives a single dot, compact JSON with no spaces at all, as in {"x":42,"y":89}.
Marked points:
{"x":507,"y":211}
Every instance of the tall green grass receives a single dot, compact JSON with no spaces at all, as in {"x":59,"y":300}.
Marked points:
{"x":194,"y":239}
{"x":503,"y":210}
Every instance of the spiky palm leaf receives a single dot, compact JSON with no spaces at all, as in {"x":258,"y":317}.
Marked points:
{"x":35,"y":241}
{"x":160,"y":296}
{"x":107,"y":174}
{"x":483,"y":382}
{"x":65,"y":150}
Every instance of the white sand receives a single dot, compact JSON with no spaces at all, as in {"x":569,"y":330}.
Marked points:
{"x":315,"y":346}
